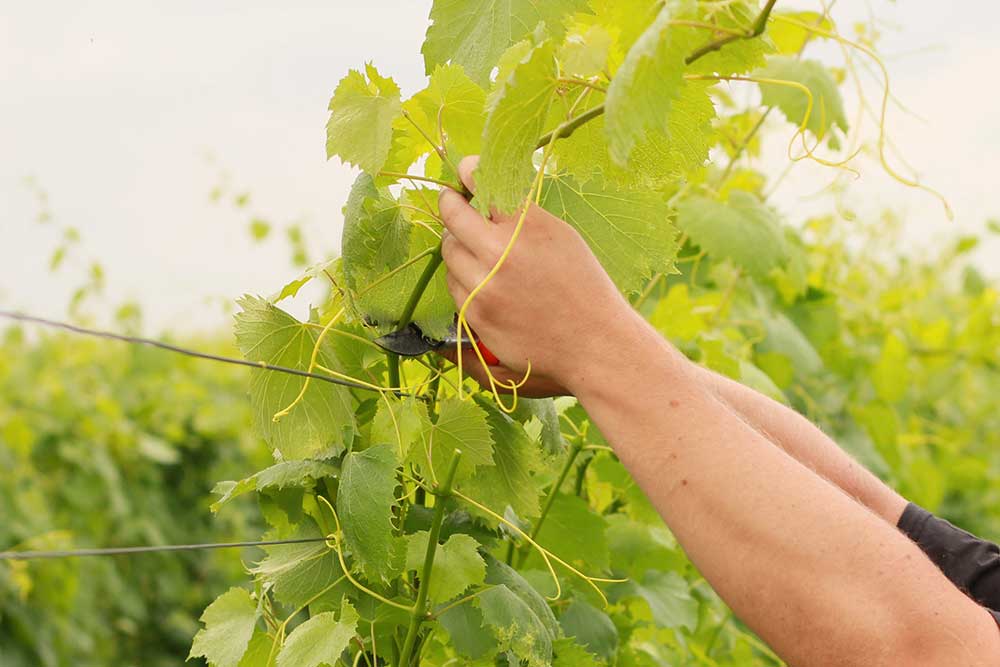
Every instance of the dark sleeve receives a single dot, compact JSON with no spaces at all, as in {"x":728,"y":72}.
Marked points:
{"x":972,"y":564}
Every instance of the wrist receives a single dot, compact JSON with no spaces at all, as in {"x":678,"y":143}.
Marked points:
{"x":615,"y":360}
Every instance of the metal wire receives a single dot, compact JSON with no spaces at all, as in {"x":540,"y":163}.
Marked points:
{"x":127,"y":551}
{"x":21,"y":317}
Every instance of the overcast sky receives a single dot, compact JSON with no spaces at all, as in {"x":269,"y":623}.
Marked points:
{"x":128,"y":114}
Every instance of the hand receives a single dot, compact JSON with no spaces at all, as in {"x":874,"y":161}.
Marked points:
{"x":536,"y":386}
{"x":550,"y":304}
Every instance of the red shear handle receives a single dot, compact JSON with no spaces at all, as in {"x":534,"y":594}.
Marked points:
{"x":490,"y":358}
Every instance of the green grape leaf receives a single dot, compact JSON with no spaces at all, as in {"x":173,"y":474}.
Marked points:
{"x":465,"y":627}
{"x":668,"y":596}
{"x":377,"y":239}
{"x":401,"y":423}
{"x":376,"y":236}
{"x":516,"y":120}
{"x":790,"y":38}
{"x":515,"y":625}
{"x":364,"y":502}
{"x":576,"y":534}
{"x":460,"y":425}
{"x":320,"y":640}
{"x":457,"y":564}
{"x":827,"y":111}
{"x":229,"y":624}
{"x":279,"y":476}
{"x":475,"y":33}
{"x":641,"y":93}
{"x":630,"y":232}
{"x":297,"y":572}
{"x":544,"y":410}
{"x":322,"y":424}
{"x":737,"y":57}
{"x":510,"y":480}
{"x":453,"y":103}
{"x":743,"y":230}
{"x":591,"y":628}
{"x":498,"y":573}
{"x":585,"y":53}
{"x":570,"y":654}
{"x":362,"y":110}
{"x":658,"y":160}
{"x":625,"y":19}
{"x":258,"y":651}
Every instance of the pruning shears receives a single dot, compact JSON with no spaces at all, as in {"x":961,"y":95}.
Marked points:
{"x":411,"y":342}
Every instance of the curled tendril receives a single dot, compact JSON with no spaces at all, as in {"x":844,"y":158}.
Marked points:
{"x":886,"y":97}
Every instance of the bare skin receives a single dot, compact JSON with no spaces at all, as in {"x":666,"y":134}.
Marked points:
{"x":796,"y":537}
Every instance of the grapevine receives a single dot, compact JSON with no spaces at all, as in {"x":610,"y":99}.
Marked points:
{"x":577,"y":91}
{"x":416,"y":519}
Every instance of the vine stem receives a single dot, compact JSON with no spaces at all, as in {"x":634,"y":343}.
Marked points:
{"x":756,"y":30}
{"x":419,"y":613}
{"x":553,"y":492}
{"x":411,"y":306}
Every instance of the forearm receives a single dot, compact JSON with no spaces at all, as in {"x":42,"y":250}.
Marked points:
{"x":822,"y":579}
{"x":806,"y":443}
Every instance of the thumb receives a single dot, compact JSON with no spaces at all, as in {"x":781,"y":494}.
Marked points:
{"x":465,"y":171}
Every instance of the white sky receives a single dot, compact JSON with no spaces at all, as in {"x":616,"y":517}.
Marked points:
{"x":113,"y":106}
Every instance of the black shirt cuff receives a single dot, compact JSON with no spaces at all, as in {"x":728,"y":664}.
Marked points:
{"x":971,"y":563}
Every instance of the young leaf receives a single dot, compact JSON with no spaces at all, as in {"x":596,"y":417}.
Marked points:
{"x":743,"y":230}
{"x":457,"y":565}
{"x":827,"y":111}
{"x":630,"y":232}
{"x":642,"y":92}
{"x":320,"y":640}
{"x":474,"y":33}
{"x":544,"y":410}
{"x":364,"y":502}
{"x":361,"y":113}
{"x":322,"y":424}
{"x":516,"y":119}
{"x":515,"y":626}
{"x":229,"y":624}
{"x":453,"y":103}
{"x":460,"y":425}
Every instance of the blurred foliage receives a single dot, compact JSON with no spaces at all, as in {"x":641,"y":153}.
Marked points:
{"x":103,"y":445}
{"x":895,"y":356}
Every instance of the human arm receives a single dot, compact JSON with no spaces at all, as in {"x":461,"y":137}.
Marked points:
{"x":820,"y":577}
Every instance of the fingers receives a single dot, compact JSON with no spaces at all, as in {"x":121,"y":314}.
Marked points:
{"x":465,"y":222}
{"x":465,"y":171}
{"x":457,"y":290}
{"x":461,"y":262}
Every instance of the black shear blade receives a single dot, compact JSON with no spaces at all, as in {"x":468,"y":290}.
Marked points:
{"x":408,"y":342}
{"x":411,"y":341}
